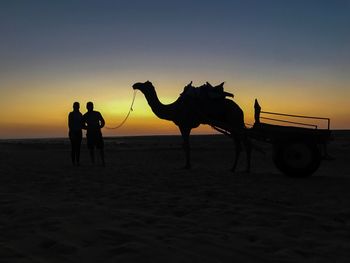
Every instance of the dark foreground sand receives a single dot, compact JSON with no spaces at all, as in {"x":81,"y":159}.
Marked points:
{"x":143,"y":208}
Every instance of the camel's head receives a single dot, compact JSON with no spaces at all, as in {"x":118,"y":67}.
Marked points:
{"x":143,"y":86}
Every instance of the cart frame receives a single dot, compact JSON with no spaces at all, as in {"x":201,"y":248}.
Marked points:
{"x":297,"y":151}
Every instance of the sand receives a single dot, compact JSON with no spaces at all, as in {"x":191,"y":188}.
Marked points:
{"x":142,"y":207}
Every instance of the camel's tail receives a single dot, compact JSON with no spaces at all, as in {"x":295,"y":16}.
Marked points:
{"x":254,"y":146}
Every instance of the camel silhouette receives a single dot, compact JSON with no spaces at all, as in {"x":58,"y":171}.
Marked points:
{"x":189,"y":111}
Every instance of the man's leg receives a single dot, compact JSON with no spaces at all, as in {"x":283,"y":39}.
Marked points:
{"x":91,"y":145}
{"x":72,"y":153}
{"x":77,"y":151}
{"x":92,"y":154}
{"x":100,"y":146}
{"x":102,"y":156}
{"x":72,"y":150}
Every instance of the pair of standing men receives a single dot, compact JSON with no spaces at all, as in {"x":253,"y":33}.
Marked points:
{"x":92,"y":121}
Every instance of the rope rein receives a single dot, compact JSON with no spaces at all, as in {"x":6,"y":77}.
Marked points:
{"x":127,"y":115}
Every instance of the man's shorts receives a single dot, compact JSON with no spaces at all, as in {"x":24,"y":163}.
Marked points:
{"x":94,"y":139}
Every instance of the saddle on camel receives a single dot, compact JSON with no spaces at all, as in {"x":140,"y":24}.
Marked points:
{"x":206,"y":92}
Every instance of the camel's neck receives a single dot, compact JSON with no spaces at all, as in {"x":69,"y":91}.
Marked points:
{"x":162,"y":111}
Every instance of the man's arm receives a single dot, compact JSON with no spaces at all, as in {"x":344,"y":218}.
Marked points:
{"x":70,"y":120}
{"x":102,"y":121}
{"x":83,"y":122}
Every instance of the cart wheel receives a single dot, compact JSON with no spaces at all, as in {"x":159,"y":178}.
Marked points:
{"x":297,"y":158}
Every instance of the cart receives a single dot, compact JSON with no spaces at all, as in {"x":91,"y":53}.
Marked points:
{"x":298,"y":148}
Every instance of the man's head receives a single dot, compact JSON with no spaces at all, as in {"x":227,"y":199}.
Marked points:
{"x":89,"y":106}
{"x":76,"y":106}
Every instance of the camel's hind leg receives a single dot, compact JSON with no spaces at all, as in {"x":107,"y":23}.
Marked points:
{"x":248,"y":148}
{"x":185,"y":132}
{"x":238,"y":149}
{"x":238,"y":139}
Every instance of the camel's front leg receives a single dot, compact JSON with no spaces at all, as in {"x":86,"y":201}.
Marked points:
{"x":185,"y":132}
{"x":248,"y":148}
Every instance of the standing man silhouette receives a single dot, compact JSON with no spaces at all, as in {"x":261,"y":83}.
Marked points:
{"x":93,"y":122}
{"x":75,"y":124}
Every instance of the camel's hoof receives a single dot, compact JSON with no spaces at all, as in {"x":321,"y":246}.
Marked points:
{"x":187,"y":167}
{"x":233,"y":170}
{"x":328,"y":158}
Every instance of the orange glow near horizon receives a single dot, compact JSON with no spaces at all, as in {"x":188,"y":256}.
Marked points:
{"x":141,"y":122}
{"x":41,"y":113}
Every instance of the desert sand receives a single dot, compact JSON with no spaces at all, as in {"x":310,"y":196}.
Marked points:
{"x":142,"y":207}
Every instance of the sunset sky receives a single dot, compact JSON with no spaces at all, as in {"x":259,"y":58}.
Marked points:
{"x":293,"y":55}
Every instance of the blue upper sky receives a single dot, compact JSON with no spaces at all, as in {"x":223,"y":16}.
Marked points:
{"x":276,"y":32}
